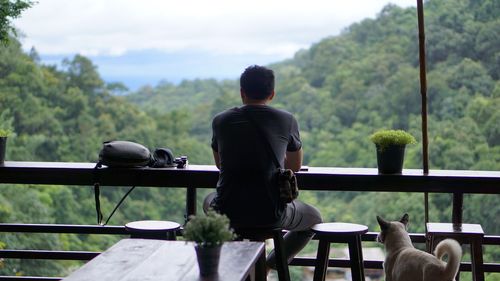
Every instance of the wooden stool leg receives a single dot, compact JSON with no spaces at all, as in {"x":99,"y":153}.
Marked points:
{"x":260,"y":268}
{"x":281,"y":261}
{"x":428,"y":243}
{"x":431,"y":244}
{"x":322,"y":260}
{"x":477,"y":260}
{"x":457,"y":277}
{"x":250,"y":277}
{"x":171,"y":235}
{"x":356,"y":257}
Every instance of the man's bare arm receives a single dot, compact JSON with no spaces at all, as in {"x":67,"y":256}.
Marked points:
{"x":293,"y":160}
{"x":216,"y":159}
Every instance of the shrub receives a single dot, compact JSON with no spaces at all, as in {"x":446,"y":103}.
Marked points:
{"x":4,"y":133}
{"x":384,"y":138}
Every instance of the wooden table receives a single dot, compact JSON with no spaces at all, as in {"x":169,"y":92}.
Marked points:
{"x":146,"y":259}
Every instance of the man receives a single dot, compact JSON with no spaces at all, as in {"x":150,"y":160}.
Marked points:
{"x":246,"y":190}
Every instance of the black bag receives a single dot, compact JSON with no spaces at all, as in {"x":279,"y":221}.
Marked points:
{"x":127,"y":154}
{"x":287,"y":183}
{"x":124,"y":154}
{"x":285,"y":178}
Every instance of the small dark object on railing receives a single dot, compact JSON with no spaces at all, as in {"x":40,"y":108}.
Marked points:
{"x":181,"y":162}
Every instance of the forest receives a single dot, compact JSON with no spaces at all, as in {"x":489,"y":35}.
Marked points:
{"x":341,"y":89}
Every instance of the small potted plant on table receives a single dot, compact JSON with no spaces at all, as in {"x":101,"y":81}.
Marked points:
{"x":209,"y":233}
{"x":391,"y":146}
{"x":3,"y":144}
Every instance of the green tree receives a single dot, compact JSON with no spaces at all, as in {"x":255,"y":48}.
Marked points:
{"x":10,"y":9}
{"x":82,"y":74}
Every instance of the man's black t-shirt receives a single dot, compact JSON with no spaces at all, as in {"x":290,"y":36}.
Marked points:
{"x":245,"y":190}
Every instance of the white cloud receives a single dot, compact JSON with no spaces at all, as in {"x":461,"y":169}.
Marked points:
{"x":115,"y":27}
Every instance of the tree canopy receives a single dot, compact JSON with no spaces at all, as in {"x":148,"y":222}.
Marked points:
{"x":341,"y":89}
{"x":10,"y":10}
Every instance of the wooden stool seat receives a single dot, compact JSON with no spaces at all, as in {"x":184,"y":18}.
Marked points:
{"x":262,"y":234}
{"x":339,"y":228}
{"x":151,"y":229}
{"x":337,"y":232}
{"x":467,"y":234}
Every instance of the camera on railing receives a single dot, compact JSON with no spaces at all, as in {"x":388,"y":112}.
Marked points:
{"x":181,"y":162}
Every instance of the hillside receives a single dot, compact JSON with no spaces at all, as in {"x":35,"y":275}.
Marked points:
{"x":341,"y":89}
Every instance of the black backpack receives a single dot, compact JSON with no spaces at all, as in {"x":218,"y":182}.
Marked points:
{"x":127,"y":154}
{"x":124,"y":154}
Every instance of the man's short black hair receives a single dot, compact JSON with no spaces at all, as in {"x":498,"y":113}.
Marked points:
{"x":257,"y":82}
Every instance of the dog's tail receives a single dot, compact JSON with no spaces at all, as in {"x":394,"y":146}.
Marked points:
{"x":451,"y":248}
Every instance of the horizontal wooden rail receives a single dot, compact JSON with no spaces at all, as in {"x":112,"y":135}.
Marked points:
{"x":420,"y":238}
{"x":107,"y":230}
{"x":120,"y":230}
{"x":375,"y":264}
{"x":63,"y":228}
{"x":48,"y":255}
{"x":298,"y":261}
{"x":68,"y":228}
{"x":29,"y":278}
{"x":204,"y":176}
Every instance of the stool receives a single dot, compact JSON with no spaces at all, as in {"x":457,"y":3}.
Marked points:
{"x":260,"y":235}
{"x":339,"y":233}
{"x":468,"y":234}
{"x":150,"y":229}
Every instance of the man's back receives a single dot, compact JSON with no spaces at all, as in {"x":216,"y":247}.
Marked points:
{"x":246,"y":192}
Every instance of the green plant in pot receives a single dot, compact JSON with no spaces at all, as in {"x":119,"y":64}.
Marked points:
{"x":391,"y":146}
{"x":3,"y":144}
{"x":208,"y":232}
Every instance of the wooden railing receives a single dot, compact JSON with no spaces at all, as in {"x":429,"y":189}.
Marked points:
{"x":198,"y":176}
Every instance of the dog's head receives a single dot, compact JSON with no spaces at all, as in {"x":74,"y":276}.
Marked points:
{"x":391,"y":228}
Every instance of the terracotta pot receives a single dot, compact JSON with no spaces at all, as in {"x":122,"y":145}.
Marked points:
{"x":208,"y":259}
{"x":390,"y":159}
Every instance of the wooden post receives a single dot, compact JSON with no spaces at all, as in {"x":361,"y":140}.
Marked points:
{"x":423,"y":93}
{"x":423,"y":84}
{"x":190,"y":202}
{"x":456,"y":216}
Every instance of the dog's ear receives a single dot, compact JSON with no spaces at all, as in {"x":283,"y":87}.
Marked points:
{"x":383,"y":223}
{"x":404,"y":220}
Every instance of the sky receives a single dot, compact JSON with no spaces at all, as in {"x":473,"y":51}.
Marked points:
{"x":143,"y":42}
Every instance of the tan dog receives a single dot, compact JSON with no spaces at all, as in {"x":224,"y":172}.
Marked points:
{"x":405,"y":263}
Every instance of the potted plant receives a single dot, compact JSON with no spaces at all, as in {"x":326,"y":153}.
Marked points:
{"x":391,"y":146}
{"x":3,"y":143}
{"x":208,"y":232}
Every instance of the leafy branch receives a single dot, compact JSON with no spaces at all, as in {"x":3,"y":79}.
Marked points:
{"x":10,"y":10}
